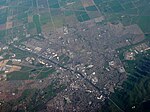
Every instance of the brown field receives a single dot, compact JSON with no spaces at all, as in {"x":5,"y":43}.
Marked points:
{"x":30,"y":19}
{"x":14,"y":68}
{"x":3,"y":63}
{"x":87,"y":3}
{"x":47,"y":28}
{"x":7,"y":96}
{"x":9,"y":25}
{"x":2,"y":26}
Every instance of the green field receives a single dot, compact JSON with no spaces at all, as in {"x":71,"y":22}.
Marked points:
{"x":36,"y":99}
{"x":134,"y":90}
{"x":25,"y":72}
{"x":126,"y":11}
{"x":36,"y":20}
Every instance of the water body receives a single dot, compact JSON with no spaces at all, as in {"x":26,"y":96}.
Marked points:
{"x":135,"y":95}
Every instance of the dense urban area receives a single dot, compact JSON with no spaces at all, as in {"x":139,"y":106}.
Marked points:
{"x":70,"y":55}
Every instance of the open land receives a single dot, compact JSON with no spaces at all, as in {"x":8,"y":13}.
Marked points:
{"x":69,"y":55}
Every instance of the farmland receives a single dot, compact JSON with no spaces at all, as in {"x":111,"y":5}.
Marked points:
{"x":74,"y":55}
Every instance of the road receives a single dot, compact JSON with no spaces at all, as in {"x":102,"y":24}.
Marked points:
{"x":100,"y":91}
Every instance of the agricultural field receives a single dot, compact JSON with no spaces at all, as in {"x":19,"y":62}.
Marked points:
{"x":73,"y":55}
{"x":37,"y":13}
{"x":126,"y":11}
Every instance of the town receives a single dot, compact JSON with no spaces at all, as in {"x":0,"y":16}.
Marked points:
{"x":62,"y":63}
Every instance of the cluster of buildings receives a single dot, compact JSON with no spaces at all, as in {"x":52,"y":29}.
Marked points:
{"x":135,"y":50}
{"x":85,"y":58}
